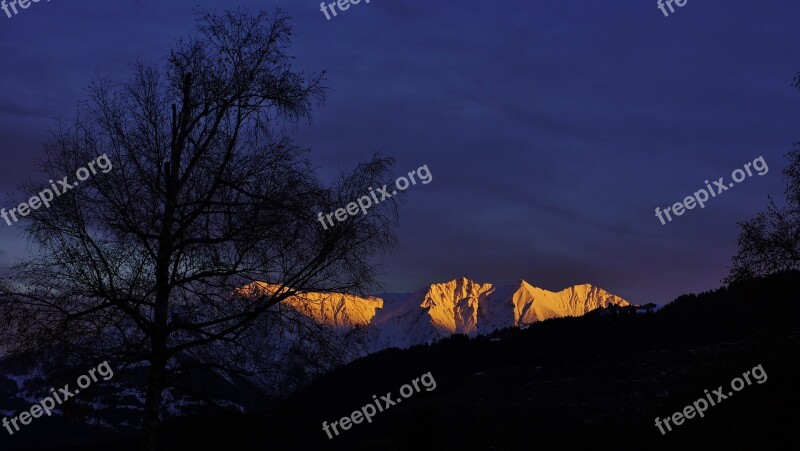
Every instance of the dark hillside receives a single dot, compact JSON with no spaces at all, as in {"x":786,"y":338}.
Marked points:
{"x":595,"y":382}
{"x":574,"y":383}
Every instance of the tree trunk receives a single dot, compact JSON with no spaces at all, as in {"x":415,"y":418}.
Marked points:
{"x":158,"y":334}
{"x":152,"y":406}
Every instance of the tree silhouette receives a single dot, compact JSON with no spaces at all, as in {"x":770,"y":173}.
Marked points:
{"x":207,"y":194}
{"x":770,"y":242}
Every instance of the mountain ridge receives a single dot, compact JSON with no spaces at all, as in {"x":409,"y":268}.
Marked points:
{"x":458,"y":306}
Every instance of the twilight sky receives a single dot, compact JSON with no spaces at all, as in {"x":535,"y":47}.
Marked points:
{"x":552,"y":129}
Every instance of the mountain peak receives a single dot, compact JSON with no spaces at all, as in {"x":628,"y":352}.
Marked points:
{"x":458,"y":281}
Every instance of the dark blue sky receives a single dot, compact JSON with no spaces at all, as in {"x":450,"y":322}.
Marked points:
{"x":552,"y":129}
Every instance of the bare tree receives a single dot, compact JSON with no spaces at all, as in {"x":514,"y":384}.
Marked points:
{"x":770,"y":242}
{"x":207,"y":194}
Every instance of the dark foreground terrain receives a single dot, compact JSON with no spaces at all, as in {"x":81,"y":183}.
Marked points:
{"x":596,"y":382}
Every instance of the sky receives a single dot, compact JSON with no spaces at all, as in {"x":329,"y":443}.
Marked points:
{"x":552,"y":129}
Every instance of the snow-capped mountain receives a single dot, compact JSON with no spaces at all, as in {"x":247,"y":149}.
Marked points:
{"x":340,"y":311}
{"x":328,"y":329}
{"x":459,"y":306}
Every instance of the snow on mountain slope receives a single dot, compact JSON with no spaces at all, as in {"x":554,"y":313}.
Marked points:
{"x":458,"y":306}
{"x":466,"y":307}
{"x":432,"y":313}
{"x":533,"y":304}
{"x":341,"y":311}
